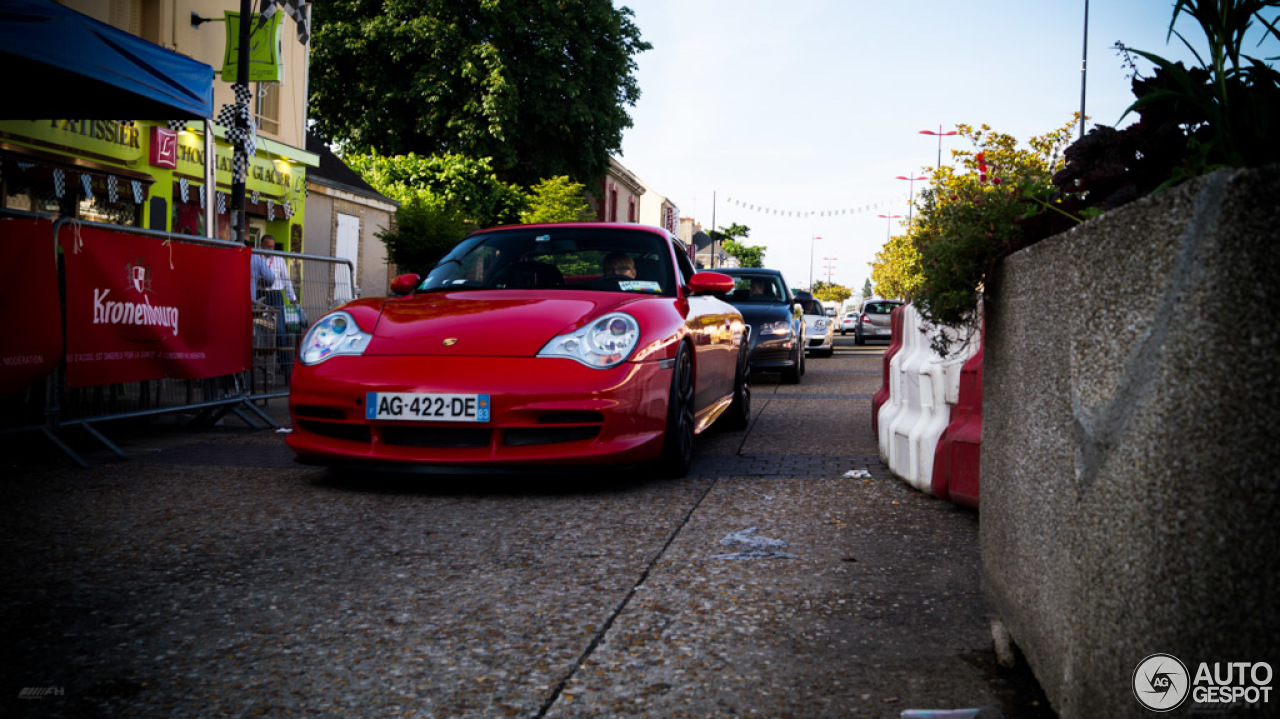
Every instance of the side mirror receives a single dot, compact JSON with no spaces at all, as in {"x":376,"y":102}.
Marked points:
{"x":404,"y":284}
{"x":703,"y":283}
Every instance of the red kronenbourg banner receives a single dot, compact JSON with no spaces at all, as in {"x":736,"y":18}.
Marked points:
{"x":141,"y":308}
{"x":32,"y":342}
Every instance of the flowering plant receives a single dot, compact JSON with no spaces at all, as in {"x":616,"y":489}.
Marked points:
{"x":974,"y":214}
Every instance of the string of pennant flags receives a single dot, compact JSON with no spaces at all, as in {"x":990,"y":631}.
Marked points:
{"x":806,"y":214}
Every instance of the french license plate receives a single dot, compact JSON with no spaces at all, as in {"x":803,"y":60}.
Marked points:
{"x":427,"y":407}
{"x":883,"y":331}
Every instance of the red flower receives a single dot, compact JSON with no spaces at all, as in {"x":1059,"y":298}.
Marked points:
{"x":995,"y":180}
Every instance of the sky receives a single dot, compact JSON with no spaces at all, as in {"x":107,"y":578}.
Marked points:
{"x":753,"y":109}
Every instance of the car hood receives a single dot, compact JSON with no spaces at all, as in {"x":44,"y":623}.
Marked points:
{"x":755,"y":313}
{"x":483,"y":323}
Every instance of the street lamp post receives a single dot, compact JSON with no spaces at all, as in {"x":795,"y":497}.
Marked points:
{"x":829,"y":267}
{"x":940,"y":135}
{"x":912,"y":190}
{"x":815,"y":238}
{"x":888,"y":219}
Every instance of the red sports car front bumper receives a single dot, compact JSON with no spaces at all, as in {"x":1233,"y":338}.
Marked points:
{"x":544,"y":411}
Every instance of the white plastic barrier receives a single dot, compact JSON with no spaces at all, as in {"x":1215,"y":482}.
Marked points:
{"x":893,"y":405}
{"x":922,"y":389}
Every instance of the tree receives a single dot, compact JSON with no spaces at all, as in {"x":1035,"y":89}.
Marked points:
{"x":541,"y":88}
{"x":831,"y":292}
{"x":442,"y":199}
{"x":557,"y":199}
{"x":748,"y":255}
{"x":866,"y":289}
{"x":896,"y":269}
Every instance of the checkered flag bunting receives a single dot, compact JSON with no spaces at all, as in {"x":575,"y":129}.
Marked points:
{"x":271,"y":211}
{"x":222,"y":203}
{"x":137,"y":192}
{"x":255,"y":197}
{"x":202,"y":195}
{"x":59,"y":182}
{"x":87,"y":183}
{"x":288,"y":210}
{"x":184,"y":186}
{"x":113,"y":189}
{"x":177,"y":125}
{"x":299,"y":10}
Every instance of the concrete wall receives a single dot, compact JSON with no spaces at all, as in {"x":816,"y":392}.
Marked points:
{"x":1131,"y":442}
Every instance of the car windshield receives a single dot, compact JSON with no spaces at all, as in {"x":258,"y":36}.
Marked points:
{"x":575,"y":258}
{"x":757,"y":288}
{"x":880,"y":308}
{"x":812,"y":307}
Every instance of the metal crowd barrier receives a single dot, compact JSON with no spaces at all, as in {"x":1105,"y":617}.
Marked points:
{"x":51,"y":407}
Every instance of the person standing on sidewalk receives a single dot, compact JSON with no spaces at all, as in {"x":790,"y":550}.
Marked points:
{"x":280,"y":286}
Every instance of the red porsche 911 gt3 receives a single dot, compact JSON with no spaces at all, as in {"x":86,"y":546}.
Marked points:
{"x":527,"y":347}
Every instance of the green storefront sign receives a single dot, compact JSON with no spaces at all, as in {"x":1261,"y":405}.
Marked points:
{"x":276,"y":177}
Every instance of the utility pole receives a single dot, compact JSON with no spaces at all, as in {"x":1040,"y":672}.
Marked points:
{"x":240,"y":163}
{"x":1084,"y":65}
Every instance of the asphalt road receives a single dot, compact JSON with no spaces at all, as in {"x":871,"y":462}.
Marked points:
{"x":210,"y":576}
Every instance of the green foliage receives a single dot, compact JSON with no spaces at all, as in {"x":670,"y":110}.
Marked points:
{"x":831,"y":292}
{"x":967,"y":222}
{"x":557,"y":199}
{"x":896,"y":269}
{"x":442,"y":199}
{"x":1231,"y":103}
{"x":866,"y":290}
{"x":425,"y":229}
{"x":464,"y":184}
{"x":748,"y":255}
{"x":541,"y":87}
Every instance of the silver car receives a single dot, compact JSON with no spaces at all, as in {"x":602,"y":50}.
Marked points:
{"x":819,"y":328}
{"x":873,"y":323}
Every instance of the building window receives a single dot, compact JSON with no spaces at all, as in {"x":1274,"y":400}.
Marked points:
{"x":631,"y":210}
{"x":613,"y":204}
{"x":267,"y":112}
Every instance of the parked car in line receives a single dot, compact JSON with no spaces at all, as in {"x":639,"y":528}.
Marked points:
{"x":532,"y":346}
{"x":776,"y":320}
{"x":848,"y":323}
{"x":873,"y":322}
{"x":819,"y":328}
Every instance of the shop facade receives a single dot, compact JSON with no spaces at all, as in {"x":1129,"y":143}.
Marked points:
{"x":149,"y":174}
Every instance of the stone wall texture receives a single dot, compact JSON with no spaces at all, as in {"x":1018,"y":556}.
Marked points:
{"x":1131,"y":441}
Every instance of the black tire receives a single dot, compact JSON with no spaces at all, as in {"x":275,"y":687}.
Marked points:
{"x":677,"y":440}
{"x":858,"y":339}
{"x":739,"y":414}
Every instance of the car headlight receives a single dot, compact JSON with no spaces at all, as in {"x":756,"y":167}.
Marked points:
{"x":334,"y":334}
{"x":605,"y":343}
{"x":776,"y":328}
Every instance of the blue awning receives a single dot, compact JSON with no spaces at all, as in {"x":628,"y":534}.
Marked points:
{"x":60,"y":63}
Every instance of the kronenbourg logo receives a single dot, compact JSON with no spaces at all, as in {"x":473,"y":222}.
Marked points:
{"x":138,"y":275}
{"x":1160,"y":682}
{"x":138,"y":278}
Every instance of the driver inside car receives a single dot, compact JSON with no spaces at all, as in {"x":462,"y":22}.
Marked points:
{"x":619,"y":264}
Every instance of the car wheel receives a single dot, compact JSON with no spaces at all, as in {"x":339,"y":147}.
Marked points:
{"x":858,"y":339}
{"x":740,"y":411}
{"x":677,"y":442}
